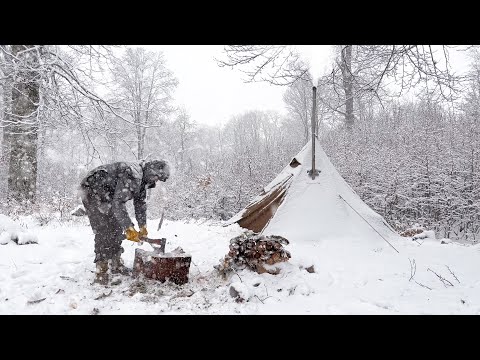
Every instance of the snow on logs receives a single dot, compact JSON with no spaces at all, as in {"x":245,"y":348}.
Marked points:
{"x":255,"y":251}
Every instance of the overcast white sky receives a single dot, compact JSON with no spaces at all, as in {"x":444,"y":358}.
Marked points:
{"x":212,"y":95}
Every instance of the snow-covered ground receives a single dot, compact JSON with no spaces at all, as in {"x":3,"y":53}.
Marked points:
{"x":352,"y":276}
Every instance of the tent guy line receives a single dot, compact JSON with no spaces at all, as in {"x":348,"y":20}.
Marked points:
{"x":368,"y":223}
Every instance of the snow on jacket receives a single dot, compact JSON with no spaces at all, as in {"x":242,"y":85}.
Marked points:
{"x":110,"y":186}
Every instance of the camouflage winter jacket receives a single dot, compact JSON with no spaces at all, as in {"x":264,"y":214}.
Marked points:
{"x":110,"y":186}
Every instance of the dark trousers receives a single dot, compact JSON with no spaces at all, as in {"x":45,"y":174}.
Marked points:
{"x":108,"y":232}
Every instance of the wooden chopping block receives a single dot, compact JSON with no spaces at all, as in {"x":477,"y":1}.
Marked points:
{"x":173,"y":266}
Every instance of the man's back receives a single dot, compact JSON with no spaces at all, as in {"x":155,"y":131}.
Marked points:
{"x":125,"y":178}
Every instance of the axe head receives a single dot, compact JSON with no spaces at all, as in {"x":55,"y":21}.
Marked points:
{"x":157,"y":244}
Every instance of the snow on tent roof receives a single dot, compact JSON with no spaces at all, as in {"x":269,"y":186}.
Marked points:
{"x":301,"y":209}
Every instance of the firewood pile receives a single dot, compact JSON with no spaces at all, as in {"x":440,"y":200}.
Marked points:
{"x":254,"y":251}
{"x":411,"y":232}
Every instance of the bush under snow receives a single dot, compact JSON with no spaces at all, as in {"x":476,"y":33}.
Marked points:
{"x":10,"y":231}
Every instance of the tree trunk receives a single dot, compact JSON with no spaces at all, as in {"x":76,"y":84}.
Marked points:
{"x":306,"y":128}
{"x":348,"y":85}
{"x":5,"y":150}
{"x":139,"y":134}
{"x":23,"y":135}
{"x":139,"y":143}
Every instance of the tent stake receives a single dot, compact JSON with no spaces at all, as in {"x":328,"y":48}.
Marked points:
{"x":368,"y":223}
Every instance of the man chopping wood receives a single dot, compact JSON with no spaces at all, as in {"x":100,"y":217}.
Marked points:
{"x":104,"y":192}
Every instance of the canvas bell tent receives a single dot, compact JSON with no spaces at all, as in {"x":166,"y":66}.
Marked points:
{"x":300,"y":208}
{"x":310,"y":201}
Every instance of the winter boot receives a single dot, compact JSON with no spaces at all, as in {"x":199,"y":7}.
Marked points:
{"x":118,"y":267}
{"x":101,"y":273}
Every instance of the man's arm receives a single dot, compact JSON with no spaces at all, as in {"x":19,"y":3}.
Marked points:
{"x":119,"y":207}
{"x":140,"y":205}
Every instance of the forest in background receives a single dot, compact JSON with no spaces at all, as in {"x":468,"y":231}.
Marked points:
{"x":66,"y":109}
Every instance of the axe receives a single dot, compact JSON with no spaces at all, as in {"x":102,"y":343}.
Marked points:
{"x":158,"y":245}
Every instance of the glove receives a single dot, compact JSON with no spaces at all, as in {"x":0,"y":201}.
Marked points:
{"x":143,"y":231}
{"x":132,"y":234}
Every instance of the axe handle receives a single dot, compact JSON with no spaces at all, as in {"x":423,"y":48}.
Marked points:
{"x":161,"y":221}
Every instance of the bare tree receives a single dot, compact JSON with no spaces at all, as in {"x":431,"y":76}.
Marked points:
{"x":364,"y":72}
{"x":345,"y":66}
{"x":359,"y":70}
{"x":277,"y":64}
{"x":5,"y":87}
{"x":184,"y":128}
{"x":43,"y":86}
{"x":23,"y":101}
{"x":298,"y":99}
{"x":144,"y":89}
